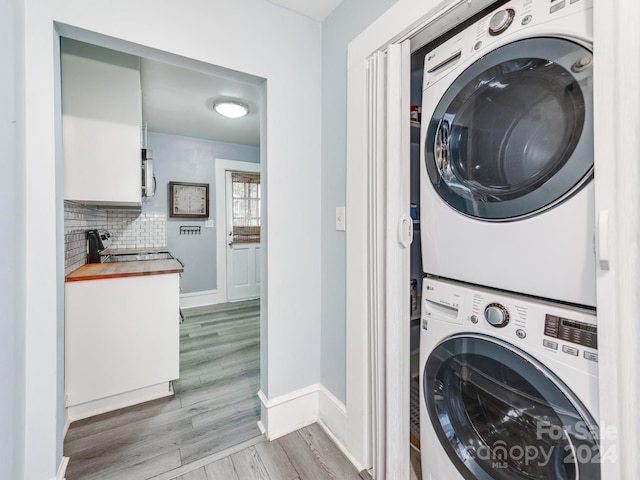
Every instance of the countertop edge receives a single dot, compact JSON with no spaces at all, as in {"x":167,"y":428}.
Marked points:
{"x":100,"y":271}
{"x":121,"y":275}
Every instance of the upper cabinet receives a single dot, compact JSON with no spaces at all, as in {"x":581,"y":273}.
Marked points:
{"x":101,"y":118}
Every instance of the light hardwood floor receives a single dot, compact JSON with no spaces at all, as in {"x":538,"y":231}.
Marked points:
{"x":307,"y":454}
{"x":208,"y":430}
{"x":215,"y":404}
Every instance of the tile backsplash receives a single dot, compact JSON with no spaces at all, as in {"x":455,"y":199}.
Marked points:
{"x":129,"y":229}
{"x":135,"y":229}
{"x":78,"y":219}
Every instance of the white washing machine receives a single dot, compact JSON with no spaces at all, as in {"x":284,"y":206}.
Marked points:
{"x":507,"y":196}
{"x":508,"y":386}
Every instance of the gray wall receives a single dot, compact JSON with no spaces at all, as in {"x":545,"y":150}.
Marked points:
{"x":12,"y":320}
{"x":185,"y":159}
{"x":339,"y":28}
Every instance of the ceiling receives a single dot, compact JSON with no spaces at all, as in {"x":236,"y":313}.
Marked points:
{"x":179,"y":100}
{"x":316,"y":9}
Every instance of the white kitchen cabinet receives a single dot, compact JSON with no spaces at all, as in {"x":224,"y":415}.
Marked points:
{"x":122,"y":341}
{"x":101,"y":120}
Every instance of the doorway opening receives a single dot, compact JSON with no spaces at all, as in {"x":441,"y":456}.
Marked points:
{"x":215,"y":404}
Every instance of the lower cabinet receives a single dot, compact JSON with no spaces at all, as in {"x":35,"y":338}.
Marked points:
{"x":122,"y":342}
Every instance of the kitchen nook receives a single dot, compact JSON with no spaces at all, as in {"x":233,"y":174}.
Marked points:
{"x":122,"y":298}
{"x":160,"y":367}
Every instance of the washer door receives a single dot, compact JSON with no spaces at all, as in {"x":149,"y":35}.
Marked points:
{"x":500,"y":414}
{"x":513,"y":134}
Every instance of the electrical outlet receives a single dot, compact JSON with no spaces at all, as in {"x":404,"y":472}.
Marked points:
{"x":340,"y":219}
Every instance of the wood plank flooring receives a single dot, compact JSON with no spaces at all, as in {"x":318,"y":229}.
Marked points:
{"x":215,"y":404}
{"x":307,"y":454}
{"x":214,"y":412}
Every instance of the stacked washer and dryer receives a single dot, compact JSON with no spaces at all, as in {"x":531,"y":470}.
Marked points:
{"x":508,"y":338}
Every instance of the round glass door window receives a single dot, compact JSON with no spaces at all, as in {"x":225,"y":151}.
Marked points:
{"x":501,"y":415}
{"x":513,"y":134}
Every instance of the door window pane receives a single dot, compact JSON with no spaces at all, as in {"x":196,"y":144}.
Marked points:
{"x":245,"y":207}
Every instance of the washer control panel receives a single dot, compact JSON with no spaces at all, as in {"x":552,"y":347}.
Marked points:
{"x":567,"y":334}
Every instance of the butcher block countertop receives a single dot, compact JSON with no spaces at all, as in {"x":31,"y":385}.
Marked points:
{"x":99,"y":271}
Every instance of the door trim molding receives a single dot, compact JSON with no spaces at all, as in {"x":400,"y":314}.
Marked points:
{"x":222,"y":165}
{"x":618,"y":301}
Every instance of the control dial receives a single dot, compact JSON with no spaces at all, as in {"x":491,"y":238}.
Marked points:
{"x":501,"y":21}
{"x":497,"y":315}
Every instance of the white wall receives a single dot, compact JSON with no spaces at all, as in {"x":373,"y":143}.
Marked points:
{"x":44,"y":344}
{"x":251,"y":36}
{"x":338,"y":29}
{"x":12,"y":372}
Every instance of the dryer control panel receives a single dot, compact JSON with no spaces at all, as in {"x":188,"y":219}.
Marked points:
{"x":498,"y":27}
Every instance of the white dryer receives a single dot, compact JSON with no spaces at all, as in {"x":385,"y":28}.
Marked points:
{"x":507,"y":196}
{"x":508,"y":386}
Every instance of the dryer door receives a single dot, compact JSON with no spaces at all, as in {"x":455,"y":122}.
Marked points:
{"x":513,"y":134}
{"x":500,"y":414}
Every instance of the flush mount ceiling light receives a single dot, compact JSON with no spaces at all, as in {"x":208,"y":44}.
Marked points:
{"x":231,"y":108}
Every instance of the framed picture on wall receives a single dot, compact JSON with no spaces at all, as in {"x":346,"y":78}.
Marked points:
{"x":188,"y":200}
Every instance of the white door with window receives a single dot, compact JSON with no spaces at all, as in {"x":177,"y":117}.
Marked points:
{"x":243,"y":222}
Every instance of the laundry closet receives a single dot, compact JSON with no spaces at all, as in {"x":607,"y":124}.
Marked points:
{"x":502,"y":177}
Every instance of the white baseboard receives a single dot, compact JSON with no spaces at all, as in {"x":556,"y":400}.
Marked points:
{"x":62,"y":469}
{"x":332,"y":413}
{"x":103,"y":405}
{"x":201,"y":299}
{"x":333,"y":420}
{"x":341,"y":446}
{"x":287,"y":413}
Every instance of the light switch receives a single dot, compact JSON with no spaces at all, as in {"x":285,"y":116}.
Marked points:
{"x":208,"y":224}
{"x":340,"y":219}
